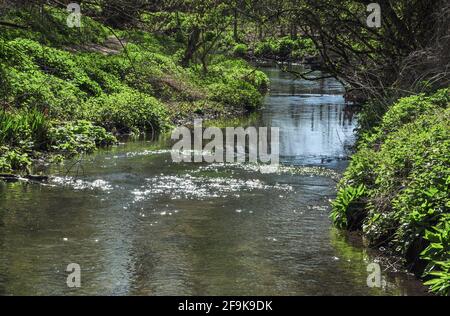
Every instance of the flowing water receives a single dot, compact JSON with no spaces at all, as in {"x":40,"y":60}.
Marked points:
{"x":138,"y":224}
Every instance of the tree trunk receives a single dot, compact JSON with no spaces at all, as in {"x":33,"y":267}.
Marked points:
{"x":294,"y":35}
{"x":191,"y":47}
{"x":235,"y":25}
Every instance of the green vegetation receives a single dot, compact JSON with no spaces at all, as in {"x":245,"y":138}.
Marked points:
{"x":67,"y":91}
{"x":140,"y":65}
{"x":285,"y":48}
{"x":397,"y":187}
{"x":437,"y":256}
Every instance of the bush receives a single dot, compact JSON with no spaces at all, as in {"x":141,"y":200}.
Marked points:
{"x":348,"y":208}
{"x":285,"y":48}
{"x":404,"y":166}
{"x":405,"y":111}
{"x":46,"y":93}
{"x":55,"y":62}
{"x":44,"y":78}
{"x":21,"y":133}
{"x":266,"y":49}
{"x":24,"y":134}
{"x":229,"y":70}
{"x":72,"y":138}
{"x":240,"y":50}
{"x":98,"y":68}
{"x":13,"y":159}
{"x":127,"y":111}
{"x":234,"y":83}
{"x":236,"y":95}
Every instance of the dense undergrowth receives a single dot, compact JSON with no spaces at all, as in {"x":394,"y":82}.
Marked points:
{"x":397,"y":187}
{"x":66,"y":91}
{"x":283,"y":49}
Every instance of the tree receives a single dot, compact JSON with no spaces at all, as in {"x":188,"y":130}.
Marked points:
{"x":379,"y":62}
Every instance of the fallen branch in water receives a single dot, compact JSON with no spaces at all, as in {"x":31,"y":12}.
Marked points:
{"x":13,"y":178}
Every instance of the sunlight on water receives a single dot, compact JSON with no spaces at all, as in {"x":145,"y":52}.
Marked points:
{"x":268,"y":169}
{"x":199,"y":188}
{"x":78,"y":184}
{"x":139,"y":224}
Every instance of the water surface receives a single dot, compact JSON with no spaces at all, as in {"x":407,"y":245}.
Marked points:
{"x":138,"y":224}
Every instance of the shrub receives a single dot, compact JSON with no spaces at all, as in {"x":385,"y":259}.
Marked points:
{"x":236,"y":84}
{"x":45,"y":78}
{"x":47,"y":93}
{"x":126,"y":111}
{"x":404,"y":166}
{"x":236,"y":94}
{"x":407,"y":110}
{"x":55,"y":62}
{"x":240,"y":50}
{"x":265,"y":49}
{"x":285,"y":48}
{"x":98,"y":68}
{"x":228,"y":70}
{"x":72,"y":138}
{"x":13,"y":159}
{"x":348,"y":208}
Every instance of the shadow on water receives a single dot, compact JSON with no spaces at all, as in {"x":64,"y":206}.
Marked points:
{"x":139,"y":224}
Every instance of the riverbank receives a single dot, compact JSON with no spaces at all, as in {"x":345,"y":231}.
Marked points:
{"x":396,"y":191}
{"x":69,"y":91}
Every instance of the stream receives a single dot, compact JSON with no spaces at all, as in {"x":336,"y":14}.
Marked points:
{"x":139,"y":224}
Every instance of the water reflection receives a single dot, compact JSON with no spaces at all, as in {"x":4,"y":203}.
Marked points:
{"x":317,"y":127}
{"x":139,"y":224}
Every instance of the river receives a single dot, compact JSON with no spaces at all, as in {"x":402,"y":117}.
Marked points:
{"x":138,"y":224}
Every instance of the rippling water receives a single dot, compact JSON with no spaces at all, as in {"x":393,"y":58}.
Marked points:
{"x":139,"y":224}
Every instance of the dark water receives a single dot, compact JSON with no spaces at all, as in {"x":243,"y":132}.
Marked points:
{"x":139,"y":224}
